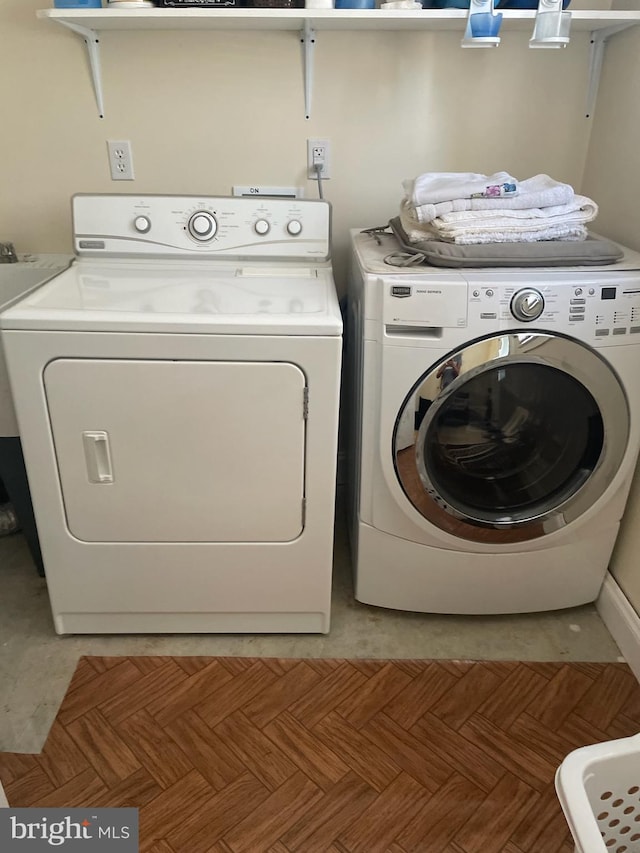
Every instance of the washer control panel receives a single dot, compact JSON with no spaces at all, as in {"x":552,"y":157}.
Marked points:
{"x":602,"y":308}
{"x":209,"y":226}
{"x":589,"y":308}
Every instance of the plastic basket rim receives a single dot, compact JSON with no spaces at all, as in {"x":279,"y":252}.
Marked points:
{"x":571,"y":791}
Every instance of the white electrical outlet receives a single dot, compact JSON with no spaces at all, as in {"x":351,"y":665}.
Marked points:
{"x":318,"y":155}
{"x":120,"y":160}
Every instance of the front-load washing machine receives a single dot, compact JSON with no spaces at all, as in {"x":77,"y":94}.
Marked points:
{"x":494,"y":430}
{"x":177,"y":395}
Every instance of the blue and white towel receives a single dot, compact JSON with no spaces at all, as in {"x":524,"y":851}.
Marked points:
{"x":436,"y":187}
{"x":540,"y":191}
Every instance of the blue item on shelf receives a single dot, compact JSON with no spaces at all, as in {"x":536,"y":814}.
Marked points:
{"x":355,"y":4}
{"x":485,"y":25}
{"x":77,"y":4}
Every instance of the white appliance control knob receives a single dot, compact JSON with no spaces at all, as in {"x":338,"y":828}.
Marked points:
{"x":202,"y":226}
{"x":294,"y":227}
{"x":527,"y":304}
{"x":261,"y":227}
{"x":142,"y":224}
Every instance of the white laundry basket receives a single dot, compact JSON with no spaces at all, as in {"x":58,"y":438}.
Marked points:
{"x":599,"y":790}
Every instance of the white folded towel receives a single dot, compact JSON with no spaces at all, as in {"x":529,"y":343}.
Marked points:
{"x":538,"y":191}
{"x":435,"y":187}
{"x":562,"y":221}
{"x":473,"y":236}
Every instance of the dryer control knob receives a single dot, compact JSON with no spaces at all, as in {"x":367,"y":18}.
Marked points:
{"x":294,"y":227}
{"x":202,"y":226}
{"x":142,"y":224}
{"x":527,"y":305}
{"x":261,"y":227}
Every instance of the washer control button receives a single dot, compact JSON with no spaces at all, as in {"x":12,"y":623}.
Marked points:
{"x":294,"y":227}
{"x":578,"y":291}
{"x":202,"y":226}
{"x":142,"y":224}
{"x":577,"y":301}
{"x":261,"y":227}
{"x":489,"y":293}
{"x":527,"y":304}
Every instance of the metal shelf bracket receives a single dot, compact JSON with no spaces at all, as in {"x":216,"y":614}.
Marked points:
{"x":93,"y":50}
{"x":308,"y":42}
{"x":596,"y":53}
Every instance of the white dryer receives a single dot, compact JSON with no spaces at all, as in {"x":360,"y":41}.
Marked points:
{"x":177,"y":395}
{"x":495,"y":427}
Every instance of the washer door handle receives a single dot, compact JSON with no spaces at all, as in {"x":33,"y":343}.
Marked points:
{"x":98,"y":456}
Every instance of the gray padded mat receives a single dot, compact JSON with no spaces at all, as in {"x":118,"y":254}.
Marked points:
{"x":546,"y":253}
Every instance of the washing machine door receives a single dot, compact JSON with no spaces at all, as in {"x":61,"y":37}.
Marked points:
{"x":511,"y":437}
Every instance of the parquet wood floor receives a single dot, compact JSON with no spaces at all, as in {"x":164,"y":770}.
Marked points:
{"x":247,"y":755}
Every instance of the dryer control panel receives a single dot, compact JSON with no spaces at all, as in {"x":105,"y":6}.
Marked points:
{"x":201,"y":226}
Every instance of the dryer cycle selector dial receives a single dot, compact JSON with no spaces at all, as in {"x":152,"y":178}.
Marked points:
{"x":202,"y":226}
{"x":527,"y":304}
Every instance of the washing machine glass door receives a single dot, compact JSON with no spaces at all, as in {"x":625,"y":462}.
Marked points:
{"x":509,"y":436}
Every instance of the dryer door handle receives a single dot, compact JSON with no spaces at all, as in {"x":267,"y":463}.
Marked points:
{"x":97,"y":456}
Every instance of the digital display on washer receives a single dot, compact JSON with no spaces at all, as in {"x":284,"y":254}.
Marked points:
{"x":608,"y":293}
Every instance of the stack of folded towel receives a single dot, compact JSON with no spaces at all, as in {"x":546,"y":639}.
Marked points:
{"x":466,"y":208}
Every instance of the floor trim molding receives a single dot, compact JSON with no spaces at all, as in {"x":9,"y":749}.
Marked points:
{"x":622,"y":622}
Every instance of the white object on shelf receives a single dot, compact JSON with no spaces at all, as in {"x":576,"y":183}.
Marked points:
{"x":318,"y":4}
{"x":129,"y":4}
{"x":401,"y":4}
{"x":552,"y":25}
{"x":599,"y":790}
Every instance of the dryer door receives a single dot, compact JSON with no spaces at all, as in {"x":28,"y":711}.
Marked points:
{"x":179,"y":451}
{"x":511,"y":437}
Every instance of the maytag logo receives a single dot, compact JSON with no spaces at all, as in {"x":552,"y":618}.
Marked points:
{"x":400,"y":291}
{"x":74,"y":830}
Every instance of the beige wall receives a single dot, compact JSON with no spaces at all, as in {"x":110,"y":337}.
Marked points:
{"x":612,"y":170}
{"x":612,"y":176}
{"x":206,"y":110}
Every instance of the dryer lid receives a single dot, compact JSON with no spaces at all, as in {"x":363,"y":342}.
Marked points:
{"x":171,"y":296}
